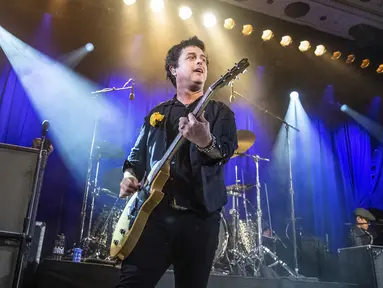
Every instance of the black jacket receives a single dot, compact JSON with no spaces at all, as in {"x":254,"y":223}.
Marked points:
{"x":208,"y":173}
{"x":360,"y":237}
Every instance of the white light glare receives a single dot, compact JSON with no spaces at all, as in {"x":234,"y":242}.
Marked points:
{"x":209,"y":20}
{"x":89,"y":47}
{"x":185,"y":13}
{"x":157,"y":5}
{"x":129,"y":2}
{"x":294,"y":95}
{"x":343,"y":108}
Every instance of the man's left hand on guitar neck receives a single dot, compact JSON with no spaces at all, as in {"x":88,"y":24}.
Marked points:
{"x":196,"y":130}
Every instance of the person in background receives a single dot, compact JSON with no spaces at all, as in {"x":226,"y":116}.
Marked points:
{"x":359,"y":234}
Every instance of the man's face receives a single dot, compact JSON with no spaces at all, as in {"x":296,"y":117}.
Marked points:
{"x":192,"y":69}
{"x":362,"y":223}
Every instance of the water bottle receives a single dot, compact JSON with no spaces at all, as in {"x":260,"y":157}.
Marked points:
{"x":59,"y":247}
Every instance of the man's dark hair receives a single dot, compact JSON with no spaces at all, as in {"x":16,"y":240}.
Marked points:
{"x":174,"y":54}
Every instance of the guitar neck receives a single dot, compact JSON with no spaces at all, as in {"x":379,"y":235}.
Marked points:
{"x":179,"y":140}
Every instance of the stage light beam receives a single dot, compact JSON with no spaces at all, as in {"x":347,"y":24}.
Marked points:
{"x":304,"y":46}
{"x":267,"y":35}
{"x":185,"y":13}
{"x":209,"y":20}
{"x":336,"y":55}
{"x":247,"y":29}
{"x":89,"y":47}
{"x":294,"y":95}
{"x":350,"y":59}
{"x":129,"y":2}
{"x":157,"y":5}
{"x":229,"y":23}
{"x":320,"y":50}
{"x":365,"y":63}
{"x":286,"y":41}
{"x":343,"y":108}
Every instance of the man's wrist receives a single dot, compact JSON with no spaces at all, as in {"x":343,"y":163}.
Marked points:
{"x":129,"y":173}
{"x":210,"y":146}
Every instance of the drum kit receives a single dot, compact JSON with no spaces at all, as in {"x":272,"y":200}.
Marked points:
{"x":240,"y":248}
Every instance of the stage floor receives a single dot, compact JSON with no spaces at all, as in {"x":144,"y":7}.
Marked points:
{"x":60,"y":274}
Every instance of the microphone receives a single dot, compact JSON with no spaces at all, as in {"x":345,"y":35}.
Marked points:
{"x":45,"y":127}
{"x":232,"y":96}
{"x":131,"y":95}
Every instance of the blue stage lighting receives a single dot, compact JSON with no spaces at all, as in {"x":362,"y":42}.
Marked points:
{"x":294,"y":95}
{"x":343,"y":108}
{"x":89,"y":47}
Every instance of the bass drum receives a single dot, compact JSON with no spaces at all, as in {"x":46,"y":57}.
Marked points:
{"x":223,"y":238}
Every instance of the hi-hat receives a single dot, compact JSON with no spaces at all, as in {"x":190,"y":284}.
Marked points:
{"x":246,"y":139}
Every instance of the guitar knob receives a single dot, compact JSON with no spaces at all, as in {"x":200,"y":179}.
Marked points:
{"x":122,"y":231}
{"x":115,"y":242}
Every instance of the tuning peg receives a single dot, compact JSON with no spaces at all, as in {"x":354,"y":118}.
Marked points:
{"x":244,"y":71}
{"x":237,"y":78}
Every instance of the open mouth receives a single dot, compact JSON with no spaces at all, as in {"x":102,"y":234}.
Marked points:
{"x":199,"y":70}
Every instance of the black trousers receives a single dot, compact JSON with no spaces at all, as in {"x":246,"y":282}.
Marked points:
{"x":182,"y":238}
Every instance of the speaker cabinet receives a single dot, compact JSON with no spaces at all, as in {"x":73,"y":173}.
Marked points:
{"x":362,"y":265}
{"x":17,"y":171}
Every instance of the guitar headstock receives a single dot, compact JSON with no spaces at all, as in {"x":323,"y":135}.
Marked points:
{"x":231,"y":74}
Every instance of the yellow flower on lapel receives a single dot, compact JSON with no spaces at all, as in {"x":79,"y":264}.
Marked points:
{"x":156,"y":118}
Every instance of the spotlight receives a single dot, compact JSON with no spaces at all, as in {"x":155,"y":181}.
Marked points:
{"x":350,"y":59}
{"x":89,"y":47}
{"x":129,"y":2}
{"x":380,"y":69}
{"x":229,"y":23}
{"x":365,"y":63}
{"x":157,"y":5}
{"x":336,"y":55}
{"x":304,"y":46}
{"x":320,"y":50}
{"x":286,"y":41}
{"x":343,"y":108}
{"x":294,"y":95}
{"x":267,"y":35}
{"x":247,"y":30}
{"x":185,"y":13}
{"x":209,"y":20}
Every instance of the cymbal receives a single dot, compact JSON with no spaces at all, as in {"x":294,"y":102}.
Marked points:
{"x":239,"y":187}
{"x":110,"y":150}
{"x":246,"y":139}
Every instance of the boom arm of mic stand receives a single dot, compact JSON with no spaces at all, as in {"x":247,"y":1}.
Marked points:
{"x":267,"y":111}
{"x":106,"y":90}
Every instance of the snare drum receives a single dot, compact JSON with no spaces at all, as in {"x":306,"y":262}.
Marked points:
{"x":223,"y":238}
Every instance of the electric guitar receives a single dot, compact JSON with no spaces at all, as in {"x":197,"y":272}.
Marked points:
{"x":140,"y":205}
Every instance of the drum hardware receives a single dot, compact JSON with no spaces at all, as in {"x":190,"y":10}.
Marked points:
{"x":291,"y":188}
{"x":260,"y":250}
{"x":105,"y":148}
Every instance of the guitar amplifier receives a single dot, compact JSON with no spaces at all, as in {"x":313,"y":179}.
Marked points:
{"x":9,"y":250}
{"x":17,"y":172}
{"x":362,"y":265}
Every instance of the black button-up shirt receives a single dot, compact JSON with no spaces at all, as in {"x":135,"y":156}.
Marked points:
{"x":197,"y":181}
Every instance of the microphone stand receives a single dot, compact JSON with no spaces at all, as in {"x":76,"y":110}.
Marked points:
{"x":91,"y":155}
{"x":291,"y":188}
{"x":30,"y":219}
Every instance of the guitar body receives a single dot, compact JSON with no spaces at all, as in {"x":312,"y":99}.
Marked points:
{"x":136,"y":214}
{"x":141,"y":204}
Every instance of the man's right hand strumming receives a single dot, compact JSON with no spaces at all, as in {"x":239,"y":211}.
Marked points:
{"x":128,"y":185}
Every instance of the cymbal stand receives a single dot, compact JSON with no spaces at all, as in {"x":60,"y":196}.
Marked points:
{"x":89,"y":181}
{"x":96,"y":192}
{"x":237,"y":257}
{"x":292,"y":204}
{"x":260,"y":250}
